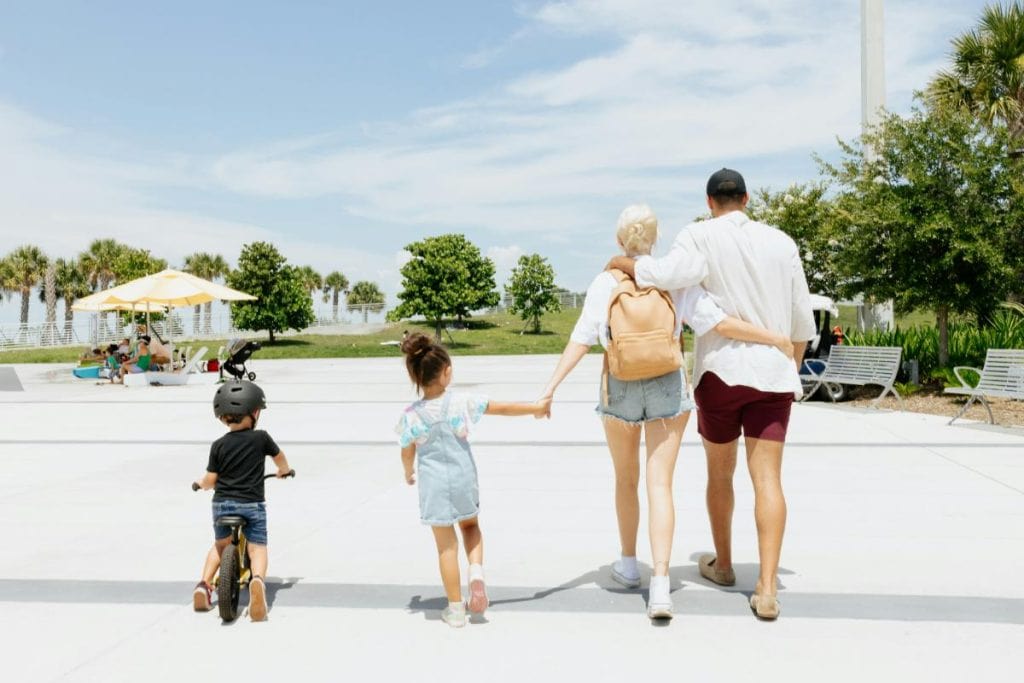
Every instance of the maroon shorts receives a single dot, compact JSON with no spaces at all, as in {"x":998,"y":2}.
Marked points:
{"x":723,"y":411}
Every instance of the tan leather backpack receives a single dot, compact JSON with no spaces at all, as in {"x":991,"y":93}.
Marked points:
{"x":641,"y":332}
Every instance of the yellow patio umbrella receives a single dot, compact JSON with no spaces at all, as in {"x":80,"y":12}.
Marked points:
{"x":164,"y":290}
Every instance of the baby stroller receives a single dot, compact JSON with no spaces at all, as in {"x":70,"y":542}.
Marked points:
{"x":239,"y":351}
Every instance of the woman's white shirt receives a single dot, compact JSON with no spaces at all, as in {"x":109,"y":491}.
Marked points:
{"x":693,"y":306}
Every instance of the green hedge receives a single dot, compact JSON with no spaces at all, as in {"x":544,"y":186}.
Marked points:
{"x":968,"y":342}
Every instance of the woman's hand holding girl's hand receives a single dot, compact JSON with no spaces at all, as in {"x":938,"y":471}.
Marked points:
{"x":542,"y":408}
{"x":785,"y":345}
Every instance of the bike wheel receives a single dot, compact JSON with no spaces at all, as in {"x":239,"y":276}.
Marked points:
{"x":227,"y":586}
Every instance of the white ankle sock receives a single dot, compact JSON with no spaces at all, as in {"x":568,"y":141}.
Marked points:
{"x":629,"y":566}
{"x":660,"y":587}
{"x":457,"y":606}
{"x":476,"y":571}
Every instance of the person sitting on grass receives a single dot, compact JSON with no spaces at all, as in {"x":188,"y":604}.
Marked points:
{"x":235,"y":472}
{"x":111,"y":362}
{"x":432,"y":433}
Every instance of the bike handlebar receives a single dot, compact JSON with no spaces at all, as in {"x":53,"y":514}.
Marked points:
{"x":291,"y":473}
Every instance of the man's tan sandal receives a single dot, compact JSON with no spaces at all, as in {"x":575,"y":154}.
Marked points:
{"x":723,"y":577}
{"x":765,"y":606}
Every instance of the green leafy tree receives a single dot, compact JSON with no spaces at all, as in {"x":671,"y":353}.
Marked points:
{"x":131,"y":264}
{"x":987,"y":75}
{"x":533,"y":291}
{"x":925,"y":217}
{"x":805,"y":213}
{"x":98,"y":262}
{"x":335,"y":284}
{"x":26,"y":267}
{"x":209,"y":267}
{"x":446,"y":277}
{"x":283,"y":301}
{"x":366,"y":297}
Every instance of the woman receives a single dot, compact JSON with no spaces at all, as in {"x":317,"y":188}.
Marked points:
{"x":137,"y":363}
{"x":658,"y":407}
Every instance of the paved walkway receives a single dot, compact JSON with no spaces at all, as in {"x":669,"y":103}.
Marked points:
{"x":902,"y":560}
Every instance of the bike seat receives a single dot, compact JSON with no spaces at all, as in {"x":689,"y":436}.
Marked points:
{"x":231,"y":520}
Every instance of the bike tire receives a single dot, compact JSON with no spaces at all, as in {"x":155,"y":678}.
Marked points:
{"x":227,"y":586}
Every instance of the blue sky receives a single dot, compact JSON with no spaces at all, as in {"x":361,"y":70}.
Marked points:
{"x":341,"y":131}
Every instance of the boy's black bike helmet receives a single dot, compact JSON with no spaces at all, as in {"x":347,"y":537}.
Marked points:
{"x":238,"y":397}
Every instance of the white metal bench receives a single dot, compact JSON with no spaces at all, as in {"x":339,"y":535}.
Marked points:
{"x":859,"y":365}
{"x":1002,"y":377}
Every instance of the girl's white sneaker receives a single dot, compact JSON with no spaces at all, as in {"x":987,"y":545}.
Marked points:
{"x":623,"y":577}
{"x":454,"y":615}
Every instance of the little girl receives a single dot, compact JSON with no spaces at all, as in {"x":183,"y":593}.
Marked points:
{"x":435,"y":428}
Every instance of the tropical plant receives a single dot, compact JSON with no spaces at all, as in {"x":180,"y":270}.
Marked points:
{"x":446,"y":277}
{"x":49,"y":295}
{"x":367,"y":297}
{"x":987,"y":74}
{"x":26,"y":267}
{"x":533,"y":291}
{"x":71,"y":284}
{"x":282,"y":301}
{"x":311,"y":279}
{"x":335,"y":284}
{"x":925,"y":219}
{"x":209,"y":267}
{"x":97,"y":262}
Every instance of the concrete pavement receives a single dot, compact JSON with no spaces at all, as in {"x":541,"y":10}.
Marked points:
{"x":902,"y":556}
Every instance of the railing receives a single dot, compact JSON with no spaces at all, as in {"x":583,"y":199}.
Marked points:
{"x":97,"y":330}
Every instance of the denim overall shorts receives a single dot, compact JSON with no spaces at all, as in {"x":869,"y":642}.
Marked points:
{"x":445,"y":472}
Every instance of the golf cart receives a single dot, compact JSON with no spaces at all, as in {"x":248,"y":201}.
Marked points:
{"x":825,"y":311}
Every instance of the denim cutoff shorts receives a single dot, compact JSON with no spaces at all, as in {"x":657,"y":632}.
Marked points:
{"x":255,"y":515}
{"x":642,"y":400}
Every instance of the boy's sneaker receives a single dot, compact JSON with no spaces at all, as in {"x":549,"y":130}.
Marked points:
{"x":623,"y":576}
{"x":202,"y":597}
{"x":659,"y":599}
{"x":257,"y":599}
{"x":478,"y":601}
{"x":454,"y":615}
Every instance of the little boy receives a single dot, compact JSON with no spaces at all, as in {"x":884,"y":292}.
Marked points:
{"x":235,"y":471}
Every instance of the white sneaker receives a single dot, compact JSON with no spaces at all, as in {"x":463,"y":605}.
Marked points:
{"x":659,"y":600}
{"x":621,"y":577}
{"x":454,"y":616}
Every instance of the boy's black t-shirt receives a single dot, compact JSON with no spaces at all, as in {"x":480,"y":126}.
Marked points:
{"x":237,"y":459}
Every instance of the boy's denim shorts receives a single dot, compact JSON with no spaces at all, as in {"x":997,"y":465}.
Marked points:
{"x":642,"y":400}
{"x":255,"y":515}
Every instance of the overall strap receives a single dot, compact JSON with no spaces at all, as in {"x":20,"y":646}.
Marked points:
{"x":445,"y":404}
{"x":426,"y":419}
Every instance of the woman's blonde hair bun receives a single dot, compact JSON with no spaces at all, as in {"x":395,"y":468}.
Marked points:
{"x":637,"y":229}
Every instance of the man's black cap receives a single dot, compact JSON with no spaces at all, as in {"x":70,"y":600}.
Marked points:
{"x":726,"y":182}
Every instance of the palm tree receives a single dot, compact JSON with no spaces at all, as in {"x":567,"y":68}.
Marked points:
{"x":367,"y":297}
{"x":27,"y":267}
{"x":72,"y":283}
{"x":987,"y":76}
{"x":335,"y":284}
{"x":98,"y":262}
{"x":209,"y":267}
{"x":311,"y":279}
{"x":49,"y":294}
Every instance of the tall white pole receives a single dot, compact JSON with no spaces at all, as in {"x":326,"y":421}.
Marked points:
{"x":872,"y":100}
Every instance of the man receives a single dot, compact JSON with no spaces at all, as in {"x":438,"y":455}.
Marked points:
{"x":752,"y":271}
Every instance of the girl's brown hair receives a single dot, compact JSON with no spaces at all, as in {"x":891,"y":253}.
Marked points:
{"x":424,"y":359}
